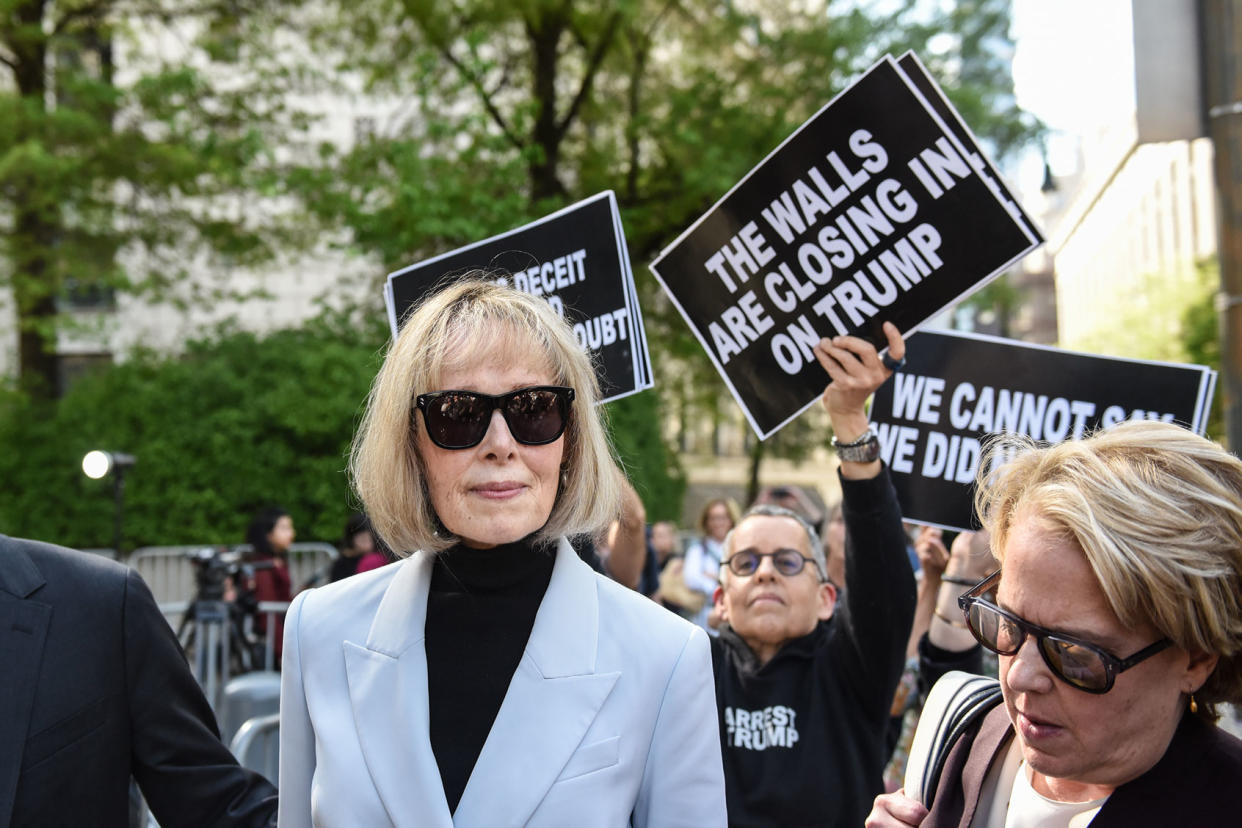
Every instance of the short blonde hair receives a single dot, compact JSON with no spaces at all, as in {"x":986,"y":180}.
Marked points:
{"x":451,"y":328}
{"x":1157,"y":510}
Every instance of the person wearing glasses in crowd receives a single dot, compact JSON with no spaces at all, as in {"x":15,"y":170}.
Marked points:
{"x":803,"y":684}
{"x":1117,"y":618}
{"x":491,"y":677}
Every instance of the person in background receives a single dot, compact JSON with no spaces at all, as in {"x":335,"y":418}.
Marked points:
{"x":701,"y":570}
{"x":665,"y":541}
{"x":834,"y":547}
{"x":804,"y":682}
{"x":1117,"y":618}
{"x":357,"y":542}
{"x":270,"y":535}
{"x":626,"y":540}
{"x":935,"y":636}
{"x":96,"y":690}
{"x":673,"y":593}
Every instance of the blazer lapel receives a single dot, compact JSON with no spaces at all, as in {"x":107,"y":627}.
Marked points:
{"x":552,"y":700}
{"x":388,"y":692}
{"x":23,"y":631}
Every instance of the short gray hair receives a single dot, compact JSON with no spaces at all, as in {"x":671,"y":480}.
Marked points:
{"x":772,"y":510}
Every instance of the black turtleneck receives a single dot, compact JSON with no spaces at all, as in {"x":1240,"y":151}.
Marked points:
{"x":480,"y":611}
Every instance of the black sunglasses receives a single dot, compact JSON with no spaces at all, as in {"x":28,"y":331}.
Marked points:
{"x":459,"y":419}
{"x":1078,"y":663}
{"x":788,"y":562}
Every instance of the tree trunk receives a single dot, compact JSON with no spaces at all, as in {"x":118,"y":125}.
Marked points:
{"x":33,"y":292}
{"x":545,"y":37}
{"x":757,"y":451}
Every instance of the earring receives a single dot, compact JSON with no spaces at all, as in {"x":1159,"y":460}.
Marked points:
{"x":1194,"y":706}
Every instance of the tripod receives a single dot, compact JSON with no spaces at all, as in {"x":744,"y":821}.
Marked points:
{"x":213,"y":628}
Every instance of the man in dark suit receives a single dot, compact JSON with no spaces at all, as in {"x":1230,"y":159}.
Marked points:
{"x":94,"y":688}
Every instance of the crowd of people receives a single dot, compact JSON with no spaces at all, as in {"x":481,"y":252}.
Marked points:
{"x":504,"y":639}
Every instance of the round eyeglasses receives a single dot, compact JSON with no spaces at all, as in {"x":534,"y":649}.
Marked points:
{"x":788,"y":562}
{"x":1078,"y":663}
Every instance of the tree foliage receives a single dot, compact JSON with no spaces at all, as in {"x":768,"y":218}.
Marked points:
{"x":1170,"y":319}
{"x":137,"y":136}
{"x":237,"y":423}
{"x":513,"y":109}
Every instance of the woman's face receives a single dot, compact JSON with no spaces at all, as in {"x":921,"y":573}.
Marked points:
{"x":500,"y":490}
{"x":362,"y":543}
{"x":719,"y":522}
{"x":1081,"y":745}
{"x":282,"y":534}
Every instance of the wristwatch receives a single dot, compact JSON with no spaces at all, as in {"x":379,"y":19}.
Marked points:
{"x":863,"y":450}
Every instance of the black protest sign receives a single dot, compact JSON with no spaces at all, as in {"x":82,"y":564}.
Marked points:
{"x":956,"y":388}
{"x":872,"y":211}
{"x":575,"y":259}
{"x":917,"y":74}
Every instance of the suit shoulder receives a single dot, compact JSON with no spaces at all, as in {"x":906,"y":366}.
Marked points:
{"x":638,"y":612}
{"x":67,"y":570}
{"x":331,"y":608}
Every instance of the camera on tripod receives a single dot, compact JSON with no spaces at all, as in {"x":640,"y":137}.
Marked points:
{"x":212,"y":569}
{"x":215,"y":566}
{"x":214,"y":629}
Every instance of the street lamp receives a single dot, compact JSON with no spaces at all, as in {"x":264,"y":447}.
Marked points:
{"x":96,"y":465}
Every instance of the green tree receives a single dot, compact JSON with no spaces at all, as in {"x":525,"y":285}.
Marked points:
{"x":1167,"y":318}
{"x":514,"y":109}
{"x":236,"y":423}
{"x":120,"y":168}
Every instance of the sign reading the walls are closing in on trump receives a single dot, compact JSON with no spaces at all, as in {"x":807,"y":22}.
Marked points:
{"x":877,"y":209}
{"x":575,"y":259}
{"x":956,"y":388}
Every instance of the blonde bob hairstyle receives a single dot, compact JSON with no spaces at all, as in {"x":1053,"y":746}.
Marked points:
{"x":1157,"y":510}
{"x":455,"y":327}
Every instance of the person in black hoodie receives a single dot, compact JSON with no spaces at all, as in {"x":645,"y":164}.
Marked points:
{"x":803,"y":685}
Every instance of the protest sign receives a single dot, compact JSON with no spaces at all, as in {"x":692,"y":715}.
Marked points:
{"x":957,"y":388}
{"x":874,"y":210}
{"x":576,"y":259}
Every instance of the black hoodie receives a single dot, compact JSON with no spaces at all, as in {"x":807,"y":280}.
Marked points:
{"x":803,"y":735}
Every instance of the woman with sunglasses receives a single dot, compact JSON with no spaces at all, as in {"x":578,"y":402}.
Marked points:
{"x":491,"y":677}
{"x":1117,"y":618}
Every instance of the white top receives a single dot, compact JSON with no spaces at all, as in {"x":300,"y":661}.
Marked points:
{"x":1028,"y":808}
{"x":701,"y":572}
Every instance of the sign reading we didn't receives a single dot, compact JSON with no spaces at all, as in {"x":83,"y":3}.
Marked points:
{"x":934,"y":416}
{"x":879,"y":208}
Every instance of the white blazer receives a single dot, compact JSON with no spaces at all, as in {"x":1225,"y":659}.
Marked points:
{"x":610,"y":715}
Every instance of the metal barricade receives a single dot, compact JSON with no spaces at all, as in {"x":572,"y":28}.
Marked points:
{"x":169,"y":571}
{"x":257,"y":745}
{"x":244,"y":698}
{"x":308,"y":563}
{"x":218,"y":637}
